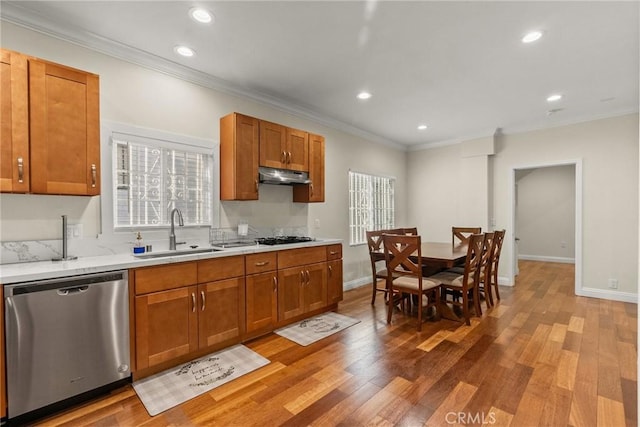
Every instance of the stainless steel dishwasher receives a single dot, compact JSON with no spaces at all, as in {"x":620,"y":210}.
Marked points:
{"x":65,"y":337}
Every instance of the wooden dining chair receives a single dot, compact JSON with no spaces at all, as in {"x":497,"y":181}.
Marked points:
{"x":461,"y":235}
{"x":464,"y":287}
{"x":403,"y":258}
{"x":491,"y":278}
{"x":411,"y":231}
{"x":376,"y":255}
{"x":484,"y":291}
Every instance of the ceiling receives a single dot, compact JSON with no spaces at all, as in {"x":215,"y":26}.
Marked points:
{"x":458,"y":67}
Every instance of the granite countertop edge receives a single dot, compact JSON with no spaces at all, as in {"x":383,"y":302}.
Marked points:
{"x":42,"y":270}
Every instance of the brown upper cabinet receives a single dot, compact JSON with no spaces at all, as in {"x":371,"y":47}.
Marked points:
{"x":283,"y":148}
{"x":246,"y":143}
{"x":239,"y":157}
{"x":313,"y":192}
{"x":53,"y":147}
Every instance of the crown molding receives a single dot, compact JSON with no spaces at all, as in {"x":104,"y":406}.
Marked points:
{"x":12,"y":12}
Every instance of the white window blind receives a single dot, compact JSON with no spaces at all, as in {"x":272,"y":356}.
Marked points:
{"x":151,"y":179}
{"x":371,"y":205}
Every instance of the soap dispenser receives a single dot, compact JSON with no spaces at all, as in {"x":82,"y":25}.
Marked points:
{"x":138,"y":247}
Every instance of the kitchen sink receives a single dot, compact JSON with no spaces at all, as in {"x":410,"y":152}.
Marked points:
{"x":191,"y":251}
{"x":233,"y":244}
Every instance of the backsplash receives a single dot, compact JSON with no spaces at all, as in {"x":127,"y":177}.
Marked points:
{"x":121,"y":243}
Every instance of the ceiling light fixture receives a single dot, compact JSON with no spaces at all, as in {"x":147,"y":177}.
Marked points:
{"x":422,"y":127}
{"x":531,"y":36}
{"x":364,"y":95}
{"x":184,"y":51}
{"x":555,"y":97}
{"x":201,"y":15}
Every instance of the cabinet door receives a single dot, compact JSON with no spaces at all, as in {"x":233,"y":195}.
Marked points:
{"x":290,"y":293}
{"x":221,"y":311}
{"x":14,"y":130}
{"x":313,"y":192}
{"x":239,"y":157}
{"x":315,"y":288}
{"x":166,"y":326}
{"x":334,"y":281}
{"x":272,"y":145}
{"x":297,"y":150}
{"x":64,"y":126}
{"x":262,"y":301}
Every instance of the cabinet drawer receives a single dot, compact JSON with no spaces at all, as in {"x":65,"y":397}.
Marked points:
{"x":302,"y":256}
{"x":160,"y":278}
{"x":220,"y":268}
{"x":260,"y":263}
{"x":334,"y":252}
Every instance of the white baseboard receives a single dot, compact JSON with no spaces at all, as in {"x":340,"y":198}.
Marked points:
{"x":543,"y":258}
{"x":356,"y":283}
{"x":609,"y":294}
{"x":504,"y":281}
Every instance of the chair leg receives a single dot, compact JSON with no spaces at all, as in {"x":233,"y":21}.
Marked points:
{"x":420,"y":313}
{"x":494,"y":283}
{"x":390,"y":306}
{"x":375,"y":290}
{"x":465,"y":308}
{"x":476,"y":301}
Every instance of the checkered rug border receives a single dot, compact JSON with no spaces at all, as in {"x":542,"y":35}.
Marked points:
{"x":174,"y":386}
{"x":315,"y":328}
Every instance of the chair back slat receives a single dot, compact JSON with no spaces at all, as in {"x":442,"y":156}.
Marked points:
{"x":463,"y":234}
{"x":474,"y":260}
{"x":398,"y":248}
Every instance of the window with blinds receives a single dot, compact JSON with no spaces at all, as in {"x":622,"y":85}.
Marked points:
{"x":371,"y":205}
{"x":151,"y":179}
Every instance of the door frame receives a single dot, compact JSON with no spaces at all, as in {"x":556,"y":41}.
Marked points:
{"x":577,"y":163}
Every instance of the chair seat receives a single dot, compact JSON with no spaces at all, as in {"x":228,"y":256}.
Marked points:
{"x":408,"y":282}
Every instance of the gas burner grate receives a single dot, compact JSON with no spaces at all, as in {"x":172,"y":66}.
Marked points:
{"x":282,"y":240}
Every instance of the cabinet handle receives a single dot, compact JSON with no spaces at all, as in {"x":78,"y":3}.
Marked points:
{"x":289,"y":157}
{"x":283,"y":157}
{"x":330,"y":271}
{"x":333,"y":252}
{"x":20,"y":170}
{"x":275,"y":283}
{"x":203,"y":300}
{"x":302,"y":280}
{"x":94,"y":175}
{"x":256,"y":185}
{"x":308,"y":277}
{"x":193,"y":302}
{"x":262,"y":263}
{"x":311,"y":187}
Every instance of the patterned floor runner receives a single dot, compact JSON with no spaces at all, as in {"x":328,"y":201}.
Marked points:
{"x":315,"y":328}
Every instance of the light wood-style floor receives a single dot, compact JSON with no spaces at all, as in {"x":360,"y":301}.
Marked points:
{"x":542,"y":357}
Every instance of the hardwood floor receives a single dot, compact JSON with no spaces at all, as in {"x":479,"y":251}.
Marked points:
{"x":541,"y":357}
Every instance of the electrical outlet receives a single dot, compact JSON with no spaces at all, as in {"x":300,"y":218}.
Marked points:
{"x":613,"y":283}
{"x":317,"y":223}
{"x":563,"y":244}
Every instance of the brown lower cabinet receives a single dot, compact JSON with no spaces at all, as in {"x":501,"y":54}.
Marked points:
{"x":175,"y":322}
{"x":184,"y":309}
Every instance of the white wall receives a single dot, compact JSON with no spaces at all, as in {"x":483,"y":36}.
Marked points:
{"x":545,"y":213}
{"x":141,"y":97}
{"x":608,"y":149}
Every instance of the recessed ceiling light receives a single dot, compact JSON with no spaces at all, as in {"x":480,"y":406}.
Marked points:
{"x":531,"y":36}
{"x":422,"y":127}
{"x":184,"y":51}
{"x":364,"y":95}
{"x":555,"y":97}
{"x":201,"y":15}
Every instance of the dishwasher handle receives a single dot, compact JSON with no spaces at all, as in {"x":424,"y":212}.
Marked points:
{"x":73,"y":290}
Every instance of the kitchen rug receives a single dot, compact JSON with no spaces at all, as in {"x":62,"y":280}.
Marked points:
{"x":315,"y":328}
{"x":174,"y":386}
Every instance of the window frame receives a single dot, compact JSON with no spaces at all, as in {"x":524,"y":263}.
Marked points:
{"x":163,"y":139}
{"x":376,"y":202}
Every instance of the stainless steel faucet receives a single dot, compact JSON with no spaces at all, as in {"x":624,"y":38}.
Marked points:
{"x":172,"y":233}
{"x":65,"y":256}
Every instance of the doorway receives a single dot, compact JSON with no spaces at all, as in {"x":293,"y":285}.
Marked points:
{"x":541,"y":203}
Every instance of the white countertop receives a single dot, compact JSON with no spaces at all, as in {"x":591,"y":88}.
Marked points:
{"x":29,"y":271}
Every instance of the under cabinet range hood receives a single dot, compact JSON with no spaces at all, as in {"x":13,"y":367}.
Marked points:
{"x":282,"y":176}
